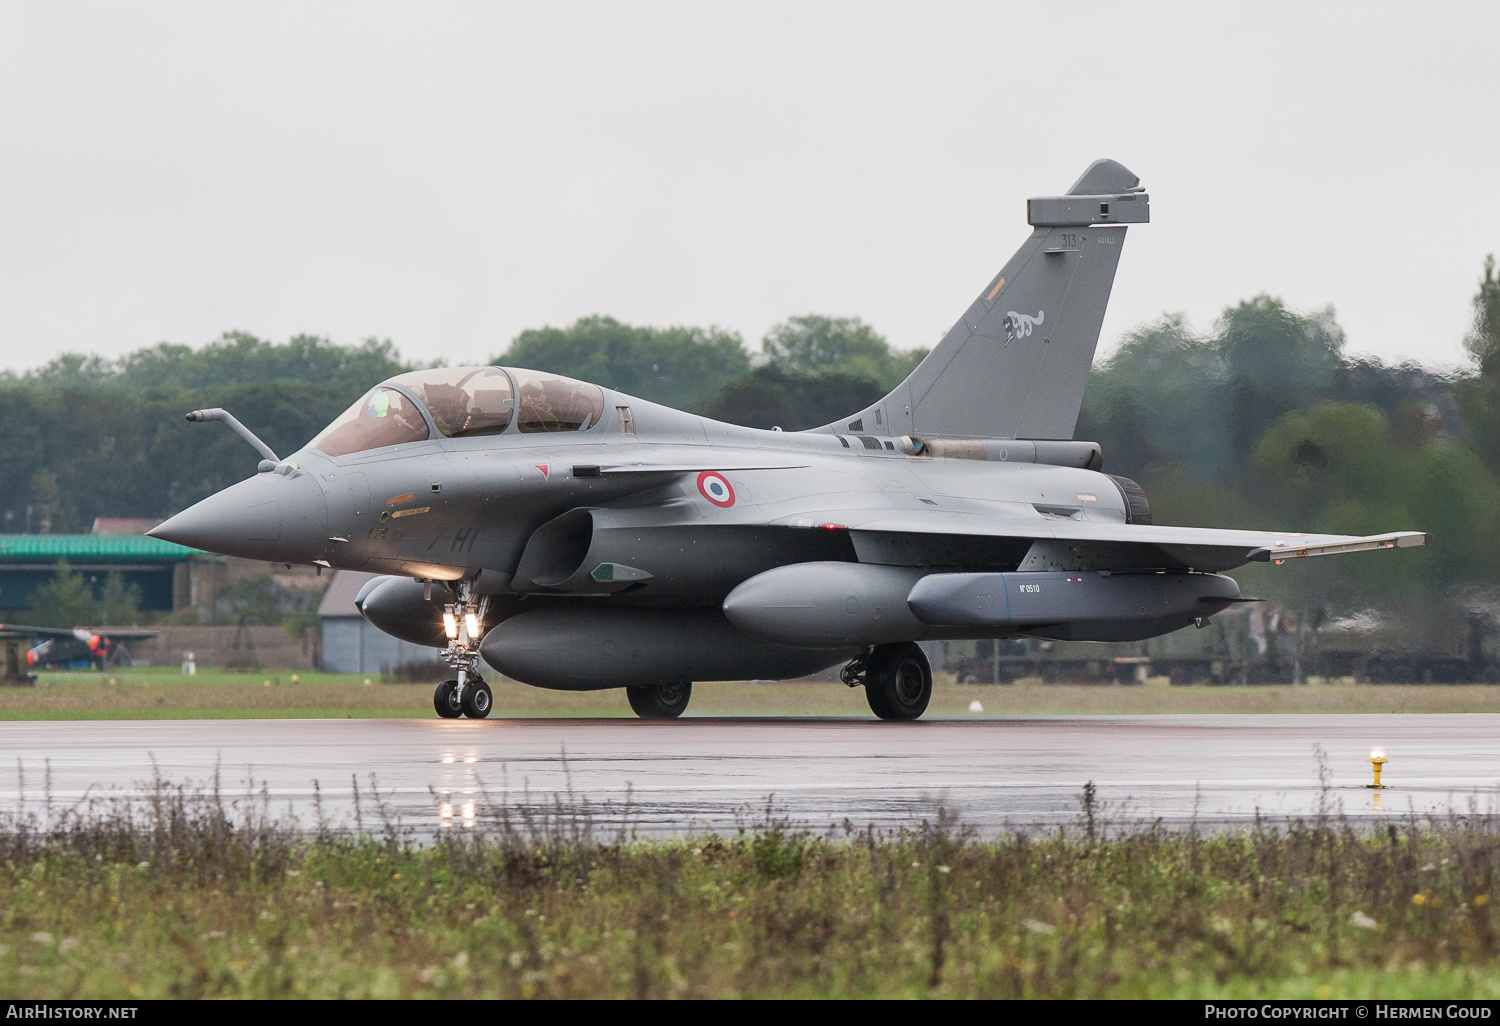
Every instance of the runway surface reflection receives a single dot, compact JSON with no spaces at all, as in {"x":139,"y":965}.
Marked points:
{"x":708,"y":774}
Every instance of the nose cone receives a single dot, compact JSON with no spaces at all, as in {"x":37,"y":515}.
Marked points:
{"x":270,"y":517}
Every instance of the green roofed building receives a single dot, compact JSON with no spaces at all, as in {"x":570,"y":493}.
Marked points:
{"x":167,"y":574}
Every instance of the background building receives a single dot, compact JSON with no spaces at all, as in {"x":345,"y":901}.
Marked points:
{"x":351,"y":644}
{"x":169,"y":576}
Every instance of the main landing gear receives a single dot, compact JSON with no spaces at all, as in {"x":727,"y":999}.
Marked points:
{"x":466,"y":694}
{"x":659,"y":701}
{"x":896,"y":678}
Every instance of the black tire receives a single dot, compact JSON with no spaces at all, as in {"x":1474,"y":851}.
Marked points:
{"x":445,"y":700}
{"x":898,"y":682}
{"x":660,"y":701}
{"x":477,"y":700}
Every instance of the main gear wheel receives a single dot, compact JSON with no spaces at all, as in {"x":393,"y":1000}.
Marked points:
{"x":659,"y":701}
{"x":898,"y":681}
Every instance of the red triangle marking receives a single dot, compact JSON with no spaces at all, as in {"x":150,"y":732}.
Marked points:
{"x":543,"y":467}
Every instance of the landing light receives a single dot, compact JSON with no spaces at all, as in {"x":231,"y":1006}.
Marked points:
{"x":1377,"y":759}
{"x":450,"y":626}
{"x":472,"y":622}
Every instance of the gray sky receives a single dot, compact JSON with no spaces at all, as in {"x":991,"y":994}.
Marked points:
{"x":447,"y":175}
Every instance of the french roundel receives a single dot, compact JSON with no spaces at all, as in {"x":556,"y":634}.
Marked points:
{"x":716,"y":489}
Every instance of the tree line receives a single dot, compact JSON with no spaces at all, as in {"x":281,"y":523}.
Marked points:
{"x":1266,"y":422}
{"x":89,"y":437}
{"x":1262,"y":420}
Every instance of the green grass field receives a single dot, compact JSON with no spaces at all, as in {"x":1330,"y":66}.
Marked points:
{"x":217,"y":694}
{"x":174,"y":898}
{"x":179,"y":896}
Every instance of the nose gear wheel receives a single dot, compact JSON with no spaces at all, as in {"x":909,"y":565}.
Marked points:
{"x":467,"y":694}
{"x":446,"y":700}
{"x":477,"y":700}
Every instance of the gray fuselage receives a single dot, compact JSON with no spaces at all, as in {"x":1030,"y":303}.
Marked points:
{"x":449,"y":508}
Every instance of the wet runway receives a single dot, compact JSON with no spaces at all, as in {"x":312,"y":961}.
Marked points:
{"x":715,"y":774}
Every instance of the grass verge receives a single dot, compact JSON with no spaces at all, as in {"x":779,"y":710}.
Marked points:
{"x":180,"y":897}
{"x":218,"y":694}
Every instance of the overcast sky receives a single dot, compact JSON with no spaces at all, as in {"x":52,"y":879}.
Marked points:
{"x":446,"y":175}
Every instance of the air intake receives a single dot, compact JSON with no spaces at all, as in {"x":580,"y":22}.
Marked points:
{"x":1137,"y":506}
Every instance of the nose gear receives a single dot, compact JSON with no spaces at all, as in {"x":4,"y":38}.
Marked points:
{"x":467,"y":694}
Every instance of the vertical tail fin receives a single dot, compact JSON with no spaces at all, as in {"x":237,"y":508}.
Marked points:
{"x":1016,"y":363}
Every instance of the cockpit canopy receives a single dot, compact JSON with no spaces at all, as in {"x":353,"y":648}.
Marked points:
{"x":383,"y":417}
{"x":462,"y":402}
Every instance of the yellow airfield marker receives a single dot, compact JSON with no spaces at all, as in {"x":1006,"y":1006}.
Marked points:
{"x":1377,"y":759}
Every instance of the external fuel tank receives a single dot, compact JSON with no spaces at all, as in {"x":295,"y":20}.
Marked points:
{"x":592,"y":649}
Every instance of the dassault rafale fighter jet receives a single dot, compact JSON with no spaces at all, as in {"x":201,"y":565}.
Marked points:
{"x":577,"y":538}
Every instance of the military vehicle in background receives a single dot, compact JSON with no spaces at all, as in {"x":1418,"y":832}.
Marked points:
{"x":1433,"y":643}
{"x":1219,"y":653}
